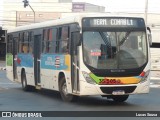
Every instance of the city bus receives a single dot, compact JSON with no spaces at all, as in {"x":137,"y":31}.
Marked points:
{"x":81,"y":56}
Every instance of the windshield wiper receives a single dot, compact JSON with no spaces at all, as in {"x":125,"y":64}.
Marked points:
{"x":106,"y":41}
{"x":124,"y":38}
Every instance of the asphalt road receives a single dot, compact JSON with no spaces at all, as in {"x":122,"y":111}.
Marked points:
{"x":13,"y":98}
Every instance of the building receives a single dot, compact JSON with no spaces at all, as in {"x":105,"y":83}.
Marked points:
{"x":17,"y":15}
{"x":14,"y":11}
{"x":86,"y":7}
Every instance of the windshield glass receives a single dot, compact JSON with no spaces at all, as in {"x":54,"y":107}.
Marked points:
{"x":114,"y":50}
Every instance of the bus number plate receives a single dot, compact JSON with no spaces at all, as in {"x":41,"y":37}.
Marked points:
{"x":118,"y":92}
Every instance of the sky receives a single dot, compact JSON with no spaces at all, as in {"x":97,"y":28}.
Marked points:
{"x":120,"y":5}
{"x":126,"y":5}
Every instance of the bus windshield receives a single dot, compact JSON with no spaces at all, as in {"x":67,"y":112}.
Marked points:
{"x":114,"y":50}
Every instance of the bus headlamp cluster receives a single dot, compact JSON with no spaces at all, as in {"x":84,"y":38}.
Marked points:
{"x":144,"y":76}
{"x":88,"y":78}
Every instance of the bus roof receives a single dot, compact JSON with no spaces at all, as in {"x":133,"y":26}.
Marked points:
{"x":61,"y":21}
{"x":44,"y":24}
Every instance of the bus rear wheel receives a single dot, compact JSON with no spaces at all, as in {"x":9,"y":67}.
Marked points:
{"x":63,"y":91}
{"x":120,"y":98}
{"x":25,"y":87}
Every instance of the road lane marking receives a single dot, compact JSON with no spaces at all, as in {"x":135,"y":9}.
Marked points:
{"x":154,"y":86}
{"x":7,"y":83}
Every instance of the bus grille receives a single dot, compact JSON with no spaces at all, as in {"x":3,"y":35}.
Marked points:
{"x":109,"y":90}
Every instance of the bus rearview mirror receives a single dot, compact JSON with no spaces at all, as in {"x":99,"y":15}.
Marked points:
{"x":149,"y":36}
{"x":76,"y":38}
{"x":150,"y":39}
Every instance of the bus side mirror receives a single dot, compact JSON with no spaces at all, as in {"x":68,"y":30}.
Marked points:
{"x":76,"y":38}
{"x":150,"y":39}
{"x":149,"y":35}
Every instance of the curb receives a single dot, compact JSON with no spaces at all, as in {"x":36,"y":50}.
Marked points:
{"x":2,"y":68}
{"x":155,"y":78}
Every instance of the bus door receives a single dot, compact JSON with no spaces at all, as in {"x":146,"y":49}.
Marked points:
{"x":15,"y":51}
{"x":36,"y":55}
{"x":74,"y":59}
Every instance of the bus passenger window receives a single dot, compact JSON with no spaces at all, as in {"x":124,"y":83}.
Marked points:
{"x":21,"y":40}
{"x":52,"y":40}
{"x":65,"y":39}
{"x":44,"y":42}
{"x":59,"y":37}
{"x":49,"y":40}
{"x":25,"y":46}
{"x":9,"y":43}
{"x":30,"y":42}
{"x":49,"y":45}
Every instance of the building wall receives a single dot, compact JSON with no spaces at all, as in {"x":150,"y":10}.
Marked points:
{"x":16,"y":14}
{"x":24,"y":18}
{"x":13,"y":10}
{"x":94,"y":8}
{"x":86,"y":7}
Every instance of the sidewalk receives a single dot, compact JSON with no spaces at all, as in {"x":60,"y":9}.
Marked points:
{"x":155,"y":75}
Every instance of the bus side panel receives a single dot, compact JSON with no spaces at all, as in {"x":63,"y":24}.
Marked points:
{"x":9,"y":66}
{"x":26,"y":61}
{"x":51,"y":66}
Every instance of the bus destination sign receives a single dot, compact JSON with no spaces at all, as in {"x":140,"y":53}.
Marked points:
{"x":113,"y":22}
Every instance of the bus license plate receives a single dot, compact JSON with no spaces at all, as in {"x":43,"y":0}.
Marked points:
{"x":118,"y":92}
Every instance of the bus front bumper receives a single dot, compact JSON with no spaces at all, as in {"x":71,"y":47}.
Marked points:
{"x":90,"y":89}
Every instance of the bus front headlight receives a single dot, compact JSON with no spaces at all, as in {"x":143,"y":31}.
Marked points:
{"x":88,"y":78}
{"x":144,"y":76}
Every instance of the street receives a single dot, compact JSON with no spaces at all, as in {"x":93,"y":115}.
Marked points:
{"x":12,"y":98}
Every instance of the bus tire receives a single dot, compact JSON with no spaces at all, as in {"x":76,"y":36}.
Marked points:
{"x":63,"y":91}
{"x":120,"y":98}
{"x":25,"y":87}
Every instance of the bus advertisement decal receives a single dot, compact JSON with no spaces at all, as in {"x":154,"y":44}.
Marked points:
{"x":9,"y":59}
{"x":25,"y":60}
{"x":56,"y":62}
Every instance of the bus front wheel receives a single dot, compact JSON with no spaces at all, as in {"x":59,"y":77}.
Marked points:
{"x":63,"y":91}
{"x":120,"y":98}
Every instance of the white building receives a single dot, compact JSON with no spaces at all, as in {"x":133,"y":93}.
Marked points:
{"x":15,"y":14}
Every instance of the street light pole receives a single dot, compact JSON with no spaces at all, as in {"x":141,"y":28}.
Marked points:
{"x":146,"y":10}
{"x":33,"y":13}
{"x":26,"y":3}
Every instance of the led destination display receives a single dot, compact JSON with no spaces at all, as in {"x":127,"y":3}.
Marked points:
{"x":113,"y":22}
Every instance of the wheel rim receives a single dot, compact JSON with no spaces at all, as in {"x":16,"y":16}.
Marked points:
{"x":64,"y":89}
{"x":24,"y":82}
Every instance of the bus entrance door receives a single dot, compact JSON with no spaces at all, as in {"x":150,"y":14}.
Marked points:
{"x":15,"y":50}
{"x":37,"y":53}
{"x":75,"y":63}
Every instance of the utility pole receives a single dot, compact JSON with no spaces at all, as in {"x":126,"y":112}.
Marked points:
{"x":26,"y":3}
{"x":146,"y":10}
